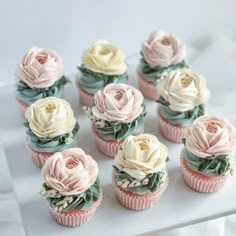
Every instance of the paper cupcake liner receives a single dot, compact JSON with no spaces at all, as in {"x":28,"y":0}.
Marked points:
{"x":172,"y":132}
{"x":76,"y":217}
{"x":85,"y":97}
{"x":22,"y":106}
{"x":148,"y":89}
{"x":107,"y":147}
{"x":39,"y":158}
{"x":199,"y":182}
{"x":138,"y":201}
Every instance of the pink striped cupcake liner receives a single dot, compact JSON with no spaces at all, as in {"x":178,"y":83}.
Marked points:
{"x":138,"y":201}
{"x":107,"y":147}
{"x":76,"y":217}
{"x":39,"y":158}
{"x":22,"y":106}
{"x":172,"y":132}
{"x":148,"y":89}
{"x":85,"y":97}
{"x":199,"y":182}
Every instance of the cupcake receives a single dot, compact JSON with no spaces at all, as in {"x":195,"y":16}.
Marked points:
{"x":162,"y":53}
{"x":39,"y":75}
{"x":51,"y":127}
{"x":103,"y":63}
{"x":139,"y":174}
{"x":118,"y":112}
{"x":207,"y":159}
{"x":72,"y":187}
{"x":183,"y":95}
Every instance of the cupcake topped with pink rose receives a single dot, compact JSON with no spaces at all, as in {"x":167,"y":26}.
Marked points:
{"x":208,"y":154}
{"x":72,"y":187}
{"x":39,"y":75}
{"x":102,"y":63}
{"x":161,"y":53}
{"x":118,"y":112}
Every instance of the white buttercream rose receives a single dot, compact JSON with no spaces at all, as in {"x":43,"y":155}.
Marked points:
{"x":163,"y":49}
{"x":70,"y":172}
{"x":118,"y":102}
{"x":184,"y":89}
{"x":210,"y":135}
{"x":50,"y":117}
{"x":141,"y":155}
{"x":40,"y":68}
{"x":104,"y":57}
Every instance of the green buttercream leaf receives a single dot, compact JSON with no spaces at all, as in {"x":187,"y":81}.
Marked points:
{"x":30,"y":95}
{"x":58,"y":143}
{"x":209,"y":166}
{"x":120,"y":131}
{"x":162,"y":101}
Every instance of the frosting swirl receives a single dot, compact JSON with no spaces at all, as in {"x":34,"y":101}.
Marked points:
{"x":163,"y":49}
{"x":40,"y":68}
{"x":183,"y":90}
{"x":104,"y":57}
{"x":210,"y":136}
{"x":50,"y":117}
{"x":118,"y":102}
{"x":71,"y":172}
{"x":141,"y":155}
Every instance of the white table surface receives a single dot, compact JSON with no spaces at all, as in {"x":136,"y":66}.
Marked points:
{"x":179,"y":205}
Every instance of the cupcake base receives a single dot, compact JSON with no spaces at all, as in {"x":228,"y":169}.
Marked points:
{"x":199,"y":182}
{"x":172,"y":132}
{"x":85,"y":97}
{"x":22,"y":106}
{"x":148,"y":89}
{"x":76,"y":217}
{"x":136,"y":201}
{"x":37,"y":157}
{"x":107,"y":147}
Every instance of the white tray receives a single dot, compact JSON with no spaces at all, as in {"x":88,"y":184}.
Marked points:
{"x":179,"y":205}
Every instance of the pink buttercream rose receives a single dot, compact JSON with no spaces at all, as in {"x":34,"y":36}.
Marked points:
{"x":40,"y":68}
{"x":163,"y":49}
{"x":70,"y":172}
{"x":210,"y":135}
{"x":118,"y":102}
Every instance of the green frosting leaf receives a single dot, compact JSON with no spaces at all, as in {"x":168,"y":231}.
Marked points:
{"x":153,"y":181}
{"x":92,"y":81}
{"x":81,"y":201}
{"x":30,"y":95}
{"x":119,"y":131}
{"x":208,"y":166}
{"x":181,"y":118}
{"x":158,"y":73}
{"x":56,"y":144}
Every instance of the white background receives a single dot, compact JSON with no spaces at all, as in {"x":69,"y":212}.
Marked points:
{"x":207,"y":26}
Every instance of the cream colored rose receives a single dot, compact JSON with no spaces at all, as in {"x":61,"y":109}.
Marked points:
{"x":184,"y":89}
{"x":106,"y":58}
{"x":40,"y":68}
{"x":50,"y":117}
{"x":141,"y":155}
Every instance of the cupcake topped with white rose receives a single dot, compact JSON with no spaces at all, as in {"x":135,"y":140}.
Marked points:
{"x":161,"y":53}
{"x":139,"y":173}
{"x":39,"y":75}
{"x":103,"y":63}
{"x":51,"y":127}
{"x":207,"y":159}
{"x":183,"y":97}
{"x":118,"y":112}
{"x":72,"y":187}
